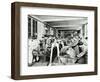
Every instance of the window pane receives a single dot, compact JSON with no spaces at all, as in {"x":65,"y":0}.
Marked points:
{"x":29,"y":27}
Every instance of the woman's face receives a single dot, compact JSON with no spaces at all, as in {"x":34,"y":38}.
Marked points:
{"x":35,"y":53}
{"x":73,"y":41}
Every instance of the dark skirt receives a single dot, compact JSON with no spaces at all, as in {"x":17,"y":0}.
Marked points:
{"x":54,"y":53}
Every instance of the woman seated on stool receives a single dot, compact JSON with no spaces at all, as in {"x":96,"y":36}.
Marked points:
{"x":67,"y":55}
{"x":35,"y":56}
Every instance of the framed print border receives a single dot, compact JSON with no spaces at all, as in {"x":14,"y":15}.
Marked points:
{"x":15,"y":40}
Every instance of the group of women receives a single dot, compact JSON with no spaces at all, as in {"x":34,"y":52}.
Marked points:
{"x":63,"y":51}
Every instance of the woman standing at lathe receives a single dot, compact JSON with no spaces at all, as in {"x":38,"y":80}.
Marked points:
{"x":54,"y":52}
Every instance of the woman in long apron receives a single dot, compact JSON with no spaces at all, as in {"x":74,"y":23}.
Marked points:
{"x":54,"y":52}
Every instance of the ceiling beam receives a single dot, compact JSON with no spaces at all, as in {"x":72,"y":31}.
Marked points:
{"x":78,"y":22}
{"x":62,"y":19}
{"x":67,"y":26}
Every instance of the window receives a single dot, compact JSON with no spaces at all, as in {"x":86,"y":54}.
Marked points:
{"x":32,"y":28}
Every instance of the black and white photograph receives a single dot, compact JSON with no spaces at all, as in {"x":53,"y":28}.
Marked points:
{"x":57,"y":40}
{"x":50,"y":40}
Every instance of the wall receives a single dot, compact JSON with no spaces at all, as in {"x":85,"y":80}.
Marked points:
{"x":41,"y":30}
{"x":34,"y":43}
{"x":5,"y":40}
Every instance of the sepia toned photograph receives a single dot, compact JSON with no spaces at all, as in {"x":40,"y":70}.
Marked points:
{"x":57,"y":40}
